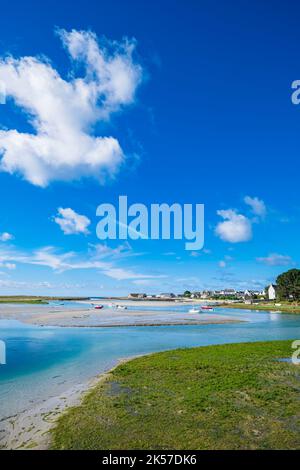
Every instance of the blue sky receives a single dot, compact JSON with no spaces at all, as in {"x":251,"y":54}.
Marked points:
{"x":193,"y":107}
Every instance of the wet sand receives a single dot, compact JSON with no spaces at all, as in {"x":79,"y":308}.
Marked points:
{"x":30,"y":429}
{"x":85,"y":315}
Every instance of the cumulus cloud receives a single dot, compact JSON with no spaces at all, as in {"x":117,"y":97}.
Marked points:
{"x":275,"y":259}
{"x":70,"y":222}
{"x":5,"y":236}
{"x":63,"y":113}
{"x":258,"y":206}
{"x":235,"y":228}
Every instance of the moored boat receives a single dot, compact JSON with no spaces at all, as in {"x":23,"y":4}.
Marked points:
{"x":121,"y":307}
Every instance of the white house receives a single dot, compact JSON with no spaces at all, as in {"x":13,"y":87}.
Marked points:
{"x":271,"y":292}
{"x":228,"y":292}
{"x":166,"y":296}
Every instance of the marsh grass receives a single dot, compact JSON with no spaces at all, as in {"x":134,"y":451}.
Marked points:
{"x":236,"y":396}
{"x":282,"y":307}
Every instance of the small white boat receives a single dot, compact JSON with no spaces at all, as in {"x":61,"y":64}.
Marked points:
{"x":121,"y":307}
{"x":194,"y":310}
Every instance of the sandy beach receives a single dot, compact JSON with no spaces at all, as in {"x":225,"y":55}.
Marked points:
{"x":85,"y":315}
{"x":30,"y":429}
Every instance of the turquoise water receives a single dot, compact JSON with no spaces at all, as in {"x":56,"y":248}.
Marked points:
{"x":45,"y":361}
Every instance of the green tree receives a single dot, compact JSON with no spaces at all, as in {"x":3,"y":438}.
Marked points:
{"x":288,"y":285}
{"x":187,"y":293}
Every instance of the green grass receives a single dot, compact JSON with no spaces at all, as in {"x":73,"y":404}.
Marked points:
{"x":285,"y":307}
{"x":217,"y":397}
{"x":21,"y":300}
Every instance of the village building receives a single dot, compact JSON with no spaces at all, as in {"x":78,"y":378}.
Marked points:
{"x":271,"y":292}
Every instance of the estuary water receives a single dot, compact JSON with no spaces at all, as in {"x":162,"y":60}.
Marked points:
{"x":44,"y":362}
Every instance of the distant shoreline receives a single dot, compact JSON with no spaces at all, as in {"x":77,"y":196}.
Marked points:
{"x":279,"y":307}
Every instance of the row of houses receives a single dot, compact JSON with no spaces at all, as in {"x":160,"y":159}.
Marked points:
{"x":168,"y":295}
{"x":248,"y":294}
{"x":227,"y":293}
{"x":268,"y":293}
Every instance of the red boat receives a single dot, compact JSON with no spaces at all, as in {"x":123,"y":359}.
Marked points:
{"x":206,"y":307}
{"x":98,"y":307}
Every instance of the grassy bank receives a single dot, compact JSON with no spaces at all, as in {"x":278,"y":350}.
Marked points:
{"x":217,"y":397}
{"x":285,"y":307}
{"x":22,"y":300}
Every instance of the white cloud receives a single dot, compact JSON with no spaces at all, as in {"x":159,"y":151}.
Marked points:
{"x":70,"y":222}
{"x":102,"y":251}
{"x":5,"y":236}
{"x":194,"y":254}
{"x":275,"y":259}
{"x":235,"y":228}
{"x":63,"y":113}
{"x":121,"y":274}
{"x":142,"y":282}
{"x":222,"y":264}
{"x":258,"y":206}
{"x":22,"y":284}
{"x":50,"y":257}
{"x":10,"y":265}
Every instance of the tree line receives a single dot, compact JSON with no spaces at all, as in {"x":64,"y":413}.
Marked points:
{"x":288,"y":285}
